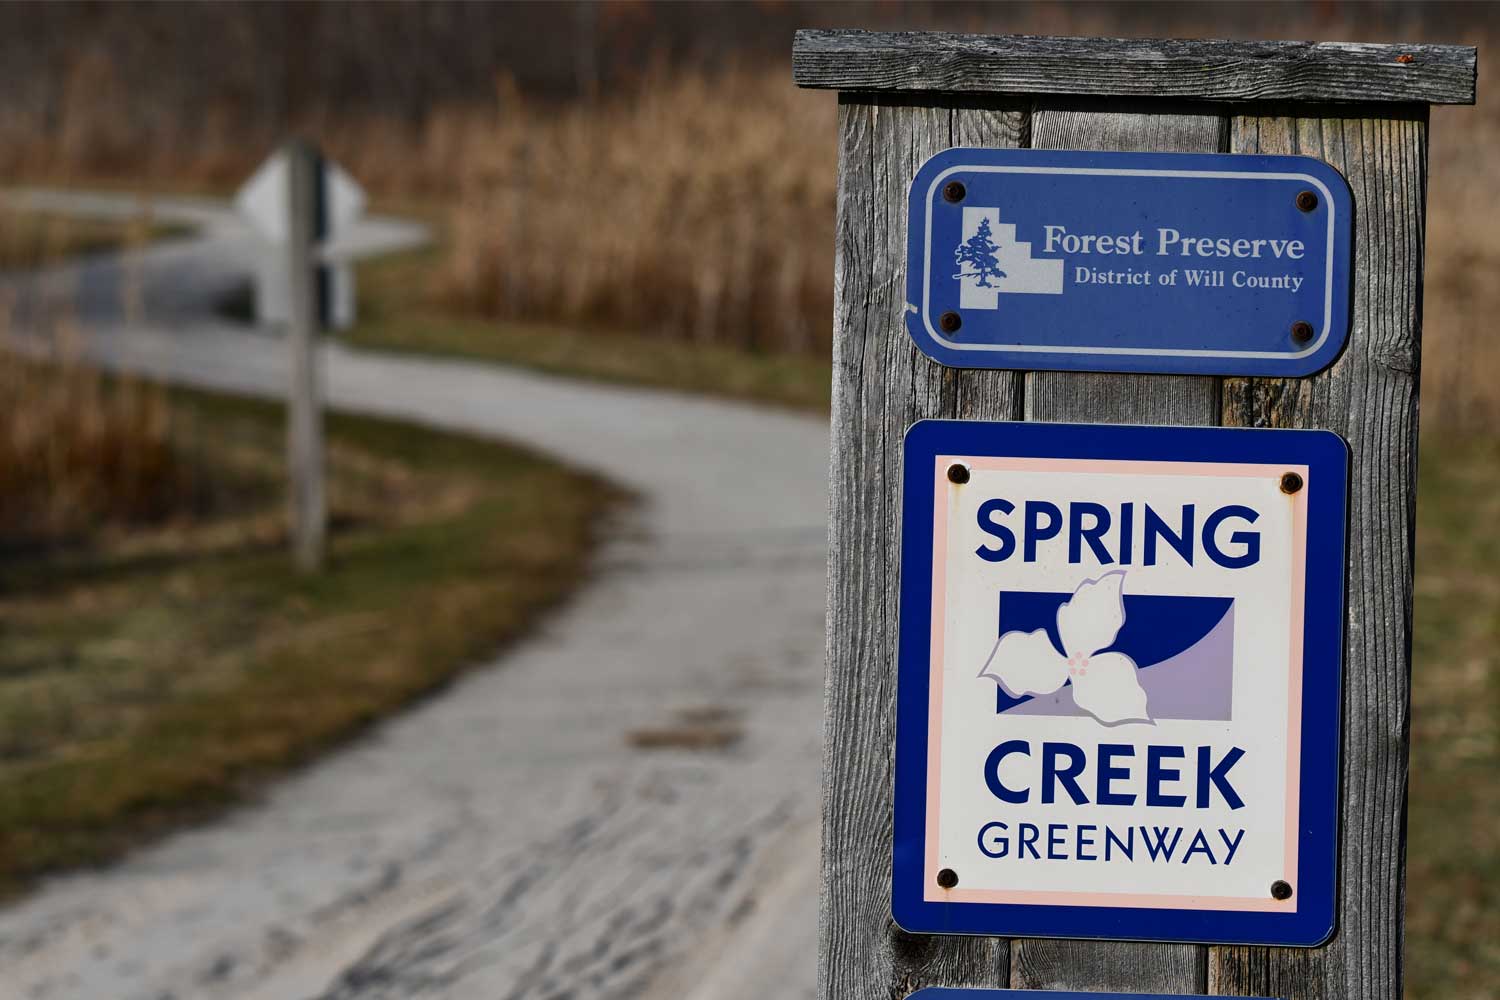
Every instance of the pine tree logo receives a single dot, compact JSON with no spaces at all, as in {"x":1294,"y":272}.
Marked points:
{"x":987,"y":243}
{"x":978,"y":254}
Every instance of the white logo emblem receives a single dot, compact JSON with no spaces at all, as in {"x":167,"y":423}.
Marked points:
{"x":1104,"y":683}
{"x":991,"y":260}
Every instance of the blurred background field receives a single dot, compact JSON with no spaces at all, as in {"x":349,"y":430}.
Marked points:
{"x":159,"y":655}
{"x":626,"y":167}
{"x":626,"y":191}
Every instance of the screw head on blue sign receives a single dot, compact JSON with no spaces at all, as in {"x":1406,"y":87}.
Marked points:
{"x":1129,"y":262}
{"x":1118,"y":693}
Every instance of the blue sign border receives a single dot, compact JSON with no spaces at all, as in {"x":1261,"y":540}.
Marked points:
{"x":980,"y":993}
{"x":1327,"y":458}
{"x":1327,"y":343}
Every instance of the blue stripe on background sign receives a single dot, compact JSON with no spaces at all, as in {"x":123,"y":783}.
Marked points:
{"x":1132,"y":262}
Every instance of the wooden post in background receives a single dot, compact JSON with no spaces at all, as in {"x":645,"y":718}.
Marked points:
{"x":903,"y":98}
{"x":309,"y":512}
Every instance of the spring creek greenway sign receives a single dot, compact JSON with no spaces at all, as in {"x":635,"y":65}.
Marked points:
{"x":1129,"y":262}
{"x":1118,"y":693}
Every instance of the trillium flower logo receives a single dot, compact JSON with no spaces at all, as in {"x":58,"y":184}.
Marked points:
{"x":1104,"y":684}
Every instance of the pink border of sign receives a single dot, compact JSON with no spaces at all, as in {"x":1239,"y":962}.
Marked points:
{"x":934,"y":706}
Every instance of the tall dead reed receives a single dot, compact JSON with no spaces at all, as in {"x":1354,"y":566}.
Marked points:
{"x":700,"y":206}
{"x":697,"y":207}
{"x":78,"y":450}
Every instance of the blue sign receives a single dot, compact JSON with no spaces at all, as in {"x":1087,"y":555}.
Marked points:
{"x":950,"y":993}
{"x":1129,"y":262}
{"x":1118,"y":682}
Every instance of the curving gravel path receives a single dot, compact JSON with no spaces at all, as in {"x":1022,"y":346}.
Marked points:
{"x":504,"y":839}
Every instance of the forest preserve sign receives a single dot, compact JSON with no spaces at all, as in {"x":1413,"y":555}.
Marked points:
{"x":1131,"y":262}
{"x":1120,"y":657}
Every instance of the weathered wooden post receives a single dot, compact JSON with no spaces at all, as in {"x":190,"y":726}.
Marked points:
{"x":300,"y":204}
{"x":1363,"y":110}
{"x":305,"y":230}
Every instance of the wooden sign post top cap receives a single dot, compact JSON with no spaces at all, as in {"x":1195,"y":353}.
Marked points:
{"x":1229,"y":71}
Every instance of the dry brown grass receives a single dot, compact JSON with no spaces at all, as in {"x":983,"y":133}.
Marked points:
{"x":703,"y":209}
{"x":699,"y":208}
{"x":77,"y":450}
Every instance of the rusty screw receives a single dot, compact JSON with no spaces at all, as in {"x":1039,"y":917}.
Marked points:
{"x":1307,"y":201}
{"x":948,"y":878}
{"x":950,"y":322}
{"x":954,"y":191}
{"x":958,"y":474}
{"x":1281,"y":889}
{"x":1291,"y":482}
{"x":1302,"y":330}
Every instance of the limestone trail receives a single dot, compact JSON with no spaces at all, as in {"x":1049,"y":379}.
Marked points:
{"x":506,"y":838}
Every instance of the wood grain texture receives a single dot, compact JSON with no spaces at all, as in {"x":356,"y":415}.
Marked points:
{"x":1370,"y":397}
{"x":882,"y":384}
{"x":1136,"y":399}
{"x":1140,"y":67}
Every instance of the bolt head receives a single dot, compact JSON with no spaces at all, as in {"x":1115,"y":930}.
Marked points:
{"x":1302,"y":331}
{"x":1281,"y":889}
{"x":1307,"y":201}
{"x":958,"y":473}
{"x":950,"y":322}
{"x":947,"y":878}
{"x":1291,"y":483}
{"x":954,"y":191}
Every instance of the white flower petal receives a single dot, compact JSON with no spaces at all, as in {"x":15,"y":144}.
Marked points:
{"x":1026,"y":663}
{"x":1092,"y":617}
{"x":1106,"y":687}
